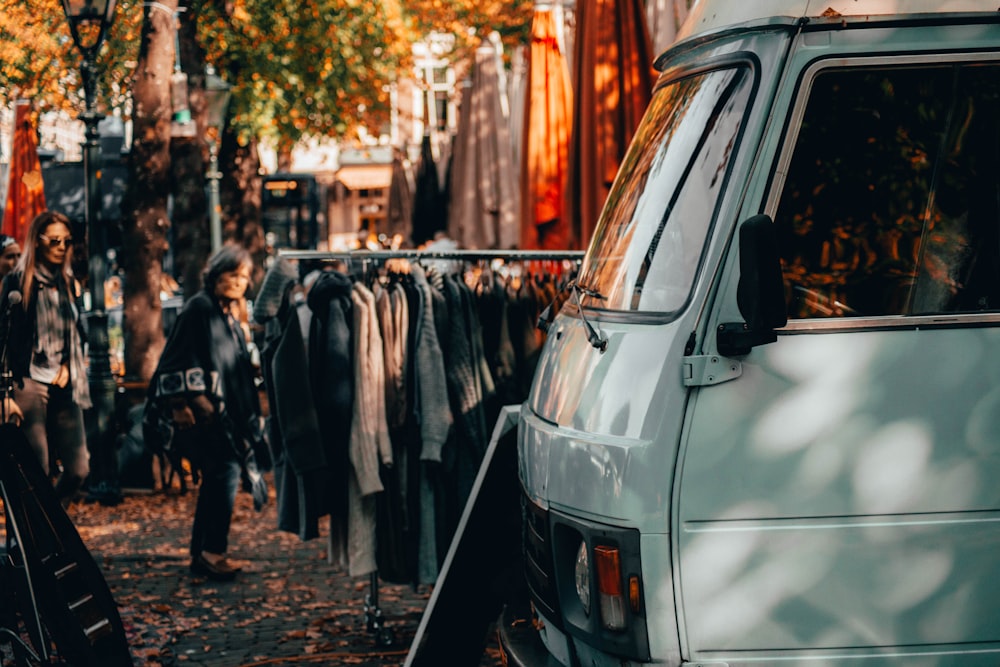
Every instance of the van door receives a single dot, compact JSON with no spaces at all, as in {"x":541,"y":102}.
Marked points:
{"x":840,"y":498}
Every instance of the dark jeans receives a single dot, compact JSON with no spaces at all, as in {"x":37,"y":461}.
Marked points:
{"x":220,"y":479}
{"x":53,"y":424}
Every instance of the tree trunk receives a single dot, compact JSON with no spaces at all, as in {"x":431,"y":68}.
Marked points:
{"x":188,"y":159}
{"x":145,"y":222}
{"x":241,"y":199}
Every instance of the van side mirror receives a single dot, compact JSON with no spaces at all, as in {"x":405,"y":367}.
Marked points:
{"x":760,"y":292}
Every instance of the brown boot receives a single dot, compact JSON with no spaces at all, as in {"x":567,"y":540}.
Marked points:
{"x":217,"y":571}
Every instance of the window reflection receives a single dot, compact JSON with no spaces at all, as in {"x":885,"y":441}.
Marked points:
{"x":891,"y":205}
{"x":648,"y":243}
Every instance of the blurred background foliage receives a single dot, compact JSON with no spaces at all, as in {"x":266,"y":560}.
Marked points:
{"x":299,"y":68}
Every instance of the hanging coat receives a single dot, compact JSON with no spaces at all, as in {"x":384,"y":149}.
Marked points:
{"x":429,"y":214}
{"x":331,"y":372}
{"x":369,"y":442}
{"x":302,"y":473}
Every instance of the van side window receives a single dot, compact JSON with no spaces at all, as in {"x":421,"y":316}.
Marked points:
{"x":891,"y":205}
{"x":649,"y":240}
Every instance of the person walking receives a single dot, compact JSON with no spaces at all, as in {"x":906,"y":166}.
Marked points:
{"x":202,"y":401}
{"x":10,"y":253}
{"x":43,"y":342}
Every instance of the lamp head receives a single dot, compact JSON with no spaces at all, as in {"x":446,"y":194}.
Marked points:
{"x":89,"y":21}
{"x":217,"y":93}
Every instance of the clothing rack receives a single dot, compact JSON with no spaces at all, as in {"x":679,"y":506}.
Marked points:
{"x":374,"y":619}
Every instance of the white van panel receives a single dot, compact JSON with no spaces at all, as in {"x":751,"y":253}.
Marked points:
{"x":852,"y":500}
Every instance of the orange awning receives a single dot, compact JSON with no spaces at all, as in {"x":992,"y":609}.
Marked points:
{"x":613,"y":79}
{"x":25,"y":189}
{"x":365,"y":177}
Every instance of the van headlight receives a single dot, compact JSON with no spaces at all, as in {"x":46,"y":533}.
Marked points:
{"x":611,"y":594}
{"x":582,"y":577}
{"x":596,"y":570}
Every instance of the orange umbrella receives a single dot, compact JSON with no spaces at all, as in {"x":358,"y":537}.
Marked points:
{"x":613,"y":79}
{"x":546,"y":134}
{"x":25,"y":190}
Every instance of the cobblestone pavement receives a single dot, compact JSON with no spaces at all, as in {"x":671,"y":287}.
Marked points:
{"x":288,"y":607}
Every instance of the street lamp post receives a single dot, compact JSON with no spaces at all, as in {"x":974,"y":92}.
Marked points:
{"x":89,"y":21}
{"x":217,"y":94}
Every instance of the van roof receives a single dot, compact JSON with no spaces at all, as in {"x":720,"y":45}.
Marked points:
{"x":711,"y":15}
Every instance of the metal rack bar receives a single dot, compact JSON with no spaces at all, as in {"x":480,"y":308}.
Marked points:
{"x":470,"y":255}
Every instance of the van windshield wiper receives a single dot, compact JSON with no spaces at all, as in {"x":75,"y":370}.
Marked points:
{"x":595,"y":338}
{"x":587,"y":291}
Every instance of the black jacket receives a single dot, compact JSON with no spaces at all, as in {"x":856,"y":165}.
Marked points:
{"x":331,"y":367}
{"x":17,"y":324}
{"x":205,"y":355}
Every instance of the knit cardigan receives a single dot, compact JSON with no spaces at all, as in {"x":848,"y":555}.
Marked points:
{"x":432,"y":387}
{"x":369,"y":430}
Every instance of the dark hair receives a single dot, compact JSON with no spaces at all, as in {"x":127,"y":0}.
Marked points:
{"x":6,"y":241}
{"x":227,"y":258}
{"x":29,"y":254}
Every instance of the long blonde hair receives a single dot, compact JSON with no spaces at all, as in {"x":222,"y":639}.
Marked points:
{"x":29,"y":255}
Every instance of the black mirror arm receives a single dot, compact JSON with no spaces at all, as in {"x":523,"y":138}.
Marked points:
{"x":734,"y":339}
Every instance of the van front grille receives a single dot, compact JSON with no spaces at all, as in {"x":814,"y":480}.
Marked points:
{"x":538,"y":569}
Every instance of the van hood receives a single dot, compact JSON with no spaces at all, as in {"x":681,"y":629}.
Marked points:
{"x":614,"y":392}
{"x":598,"y":433}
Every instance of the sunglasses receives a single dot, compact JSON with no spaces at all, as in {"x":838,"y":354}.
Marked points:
{"x":55,"y":243}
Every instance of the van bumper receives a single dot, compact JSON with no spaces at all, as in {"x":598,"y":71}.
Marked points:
{"x":520,"y":644}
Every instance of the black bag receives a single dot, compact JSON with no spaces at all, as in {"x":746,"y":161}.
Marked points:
{"x":252,"y":479}
{"x":157,"y":432}
{"x":135,"y":460}
{"x":164,"y":439}
{"x":254,"y":483}
{"x":260,"y":444}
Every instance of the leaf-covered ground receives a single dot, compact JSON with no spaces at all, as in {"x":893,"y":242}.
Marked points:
{"x":290,"y":606}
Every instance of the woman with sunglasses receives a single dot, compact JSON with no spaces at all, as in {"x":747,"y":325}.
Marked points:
{"x":43,"y":341}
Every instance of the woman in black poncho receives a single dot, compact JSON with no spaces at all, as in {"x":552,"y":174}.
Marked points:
{"x":203,"y":394}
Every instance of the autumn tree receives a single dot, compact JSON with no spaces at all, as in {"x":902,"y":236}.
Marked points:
{"x":318,"y":68}
{"x":312,"y":68}
{"x":472,"y":20}
{"x":39,"y":62}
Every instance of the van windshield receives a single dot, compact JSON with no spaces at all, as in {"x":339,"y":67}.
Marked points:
{"x":649,"y":240}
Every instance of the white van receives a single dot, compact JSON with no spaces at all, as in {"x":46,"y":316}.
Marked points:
{"x":766,"y":428}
